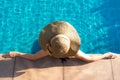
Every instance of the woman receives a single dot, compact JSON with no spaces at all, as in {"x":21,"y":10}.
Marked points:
{"x":60,"y":40}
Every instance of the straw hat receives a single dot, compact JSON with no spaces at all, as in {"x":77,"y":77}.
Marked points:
{"x":60,"y":39}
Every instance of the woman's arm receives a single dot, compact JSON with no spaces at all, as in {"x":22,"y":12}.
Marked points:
{"x":35,"y":56}
{"x":81,"y":55}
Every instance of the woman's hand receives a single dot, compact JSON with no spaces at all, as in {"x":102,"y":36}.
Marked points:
{"x":85,"y":57}
{"x":10,"y":54}
{"x":110,"y":55}
{"x":35,"y":56}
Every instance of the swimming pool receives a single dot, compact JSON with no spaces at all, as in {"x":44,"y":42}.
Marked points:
{"x":97,"y":22}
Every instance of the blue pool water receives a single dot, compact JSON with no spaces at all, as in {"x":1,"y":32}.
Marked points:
{"x":97,"y":22}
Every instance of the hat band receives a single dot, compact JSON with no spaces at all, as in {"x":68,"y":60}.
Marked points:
{"x":49,"y":51}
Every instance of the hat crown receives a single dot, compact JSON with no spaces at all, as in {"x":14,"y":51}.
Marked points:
{"x":59,"y":44}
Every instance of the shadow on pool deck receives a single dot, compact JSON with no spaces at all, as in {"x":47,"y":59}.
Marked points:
{"x":49,"y":68}
{"x":17,"y":66}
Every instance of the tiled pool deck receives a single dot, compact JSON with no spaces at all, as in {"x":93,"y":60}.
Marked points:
{"x":54,"y":69}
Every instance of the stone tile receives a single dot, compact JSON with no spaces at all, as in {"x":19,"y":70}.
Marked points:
{"x":6,"y":68}
{"x":116,"y":68}
{"x":43,"y":69}
{"x":75,"y":69}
